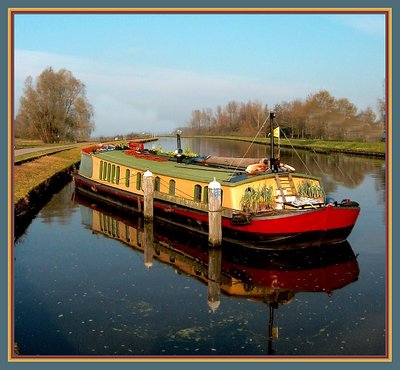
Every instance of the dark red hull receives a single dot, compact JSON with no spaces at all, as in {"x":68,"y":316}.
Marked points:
{"x":297,"y":228}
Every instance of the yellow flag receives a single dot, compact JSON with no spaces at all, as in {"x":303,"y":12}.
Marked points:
{"x":277,"y":133}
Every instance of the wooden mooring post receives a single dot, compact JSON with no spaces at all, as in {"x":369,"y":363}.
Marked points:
{"x":148,"y":189}
{"x":148,"y":243}
{"x":214,"y":213}
{"x":214,"y":277}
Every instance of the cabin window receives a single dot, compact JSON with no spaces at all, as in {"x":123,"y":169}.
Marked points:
{"x":109,"y":172}
{"x":138,"y":181}
{"x":138,"y":240}
{"x":127,"y":177}
{"x":113,"y":227}
{"x":127,"y":234}
{"x":117,"y":178}
{"x":113,"y":174}
{"x":171,"y":189}
{"x":157,"y":184}
{"x":103,"y":219}
{"x":101,"y":222}
{"x":101,"y":170}
{"x":205,"y":194}
{"x":197,"y":193}
{"x":104,"y":171}
{"x":109,"y":225}
{"x":104,"y":223}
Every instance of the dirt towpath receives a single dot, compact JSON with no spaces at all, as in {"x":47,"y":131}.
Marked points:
{"x":39,"y":149}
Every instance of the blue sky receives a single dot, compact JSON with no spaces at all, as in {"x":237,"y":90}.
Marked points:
{"x":147,"y":72}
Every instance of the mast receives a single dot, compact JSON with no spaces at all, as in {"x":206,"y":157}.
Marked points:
{"x":270,"y":329}
{"x":178,"y":140}
{"x":272,"y":115}
{"x":272,"y":332}
{"x":178,"y":151}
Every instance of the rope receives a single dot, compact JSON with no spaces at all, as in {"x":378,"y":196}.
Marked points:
{"x":244,"y":155}
{"x":344,"y":175}
{"x":177,"y":190}
{"x":309,"y":172}
{"x":317,"y":161}
{"x":130,"y":176}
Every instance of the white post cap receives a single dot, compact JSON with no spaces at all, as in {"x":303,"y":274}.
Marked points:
{"x":214,"y":184}
{"x":147,"y":174}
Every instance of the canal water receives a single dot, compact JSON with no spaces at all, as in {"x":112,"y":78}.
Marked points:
{"x":92,"y":281}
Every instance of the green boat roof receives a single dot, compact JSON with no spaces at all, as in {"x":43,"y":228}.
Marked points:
{"x":185,"y":171}
{"x":179,"y":170}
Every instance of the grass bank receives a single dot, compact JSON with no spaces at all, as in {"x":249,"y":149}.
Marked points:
{"x":29,"y":175}
{"x":321,"y":146}
{"x":36,"y":181}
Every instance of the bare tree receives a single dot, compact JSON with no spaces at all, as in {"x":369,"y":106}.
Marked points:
{"x":319,"y":116}
{"x":55,"y":108}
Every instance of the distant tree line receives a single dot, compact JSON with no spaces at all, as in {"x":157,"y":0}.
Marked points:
{"x":129,"y":136}
{"x":54,"y":109}
{"x":319,"y":116}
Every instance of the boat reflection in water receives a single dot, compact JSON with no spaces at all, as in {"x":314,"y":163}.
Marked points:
{"x":272,"y":277}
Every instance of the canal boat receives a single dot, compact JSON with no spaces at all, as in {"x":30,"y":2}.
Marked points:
{"x":265,"y":205}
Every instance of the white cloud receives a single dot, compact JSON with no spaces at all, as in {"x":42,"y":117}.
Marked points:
{"x":132,"y":98}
